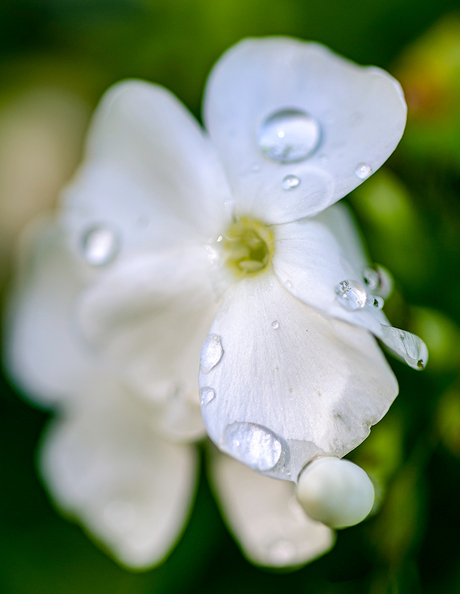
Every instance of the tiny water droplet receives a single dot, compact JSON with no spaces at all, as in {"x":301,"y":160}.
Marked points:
{"x":409,"y":347}
{"x":378,"y":302}
{"x":289,"y":135}
{"x":351,"y":294}
{"x":254,"y":168}
{"x":363,"y":170}
{"x":211,"y":353}
{"x":275,"y":325}
{"x":288,"y":285}
{"x":206,"y":395}
{"x":220,"y":238}
{"x":100,"y":245}
{"x":254,"y":445}
{"x":290,"y":182}
{"x":371,"y":278}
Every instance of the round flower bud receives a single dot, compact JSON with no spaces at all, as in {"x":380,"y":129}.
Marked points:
{"x":335,"y":492}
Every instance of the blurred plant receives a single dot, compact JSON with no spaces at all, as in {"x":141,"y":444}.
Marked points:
{"x":41,"y":134}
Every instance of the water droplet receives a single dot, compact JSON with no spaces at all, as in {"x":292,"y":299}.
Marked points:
{"x":385,"y":282}
{"x":363,"y":170}
{"x":378,"y":302}
{"x":211,"y":353}
{"x":351,"y":294}
{"x":371,"y":278}
{"x":100,"y":245}
{"x":254,"y":168}
{"x":289,"y":135}
{"x":275,"y":325}
{"x":220,"y":238}
{"x":206,"y":395}
{"x":120,"y":516}
{"x":288,"y":285}
{"x":290,"y":182}
{"x":409,"y":347}
{"x":282,"y":552}
{"x":254,"y":445}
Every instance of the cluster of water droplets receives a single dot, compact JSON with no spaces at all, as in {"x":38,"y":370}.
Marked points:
{"x":354,"y":296}
{"x":291,"y":136}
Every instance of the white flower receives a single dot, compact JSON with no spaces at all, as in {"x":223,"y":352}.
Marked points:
{"x":172,"y":239}
{"x":125,"y":469}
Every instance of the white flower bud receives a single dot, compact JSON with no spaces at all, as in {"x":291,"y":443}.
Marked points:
{"x":335,"y":492}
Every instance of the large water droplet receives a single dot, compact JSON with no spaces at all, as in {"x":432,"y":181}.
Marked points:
{"x":254,"y":445}
{"x":211,"y":353}
{"x":120,"y":516}
{"x":363,"y":170}
{"x":275,"y":325}
{"x":289,"y":135}
{"x":351,"y":294}
{"x":290,"y":182}
{"x":409,"y":347}
{"x":206,"y":395}
{"x":100,"y":245}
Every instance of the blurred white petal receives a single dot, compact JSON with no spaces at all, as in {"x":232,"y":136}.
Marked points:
{"x":105,"y":466}
{"x":265,"y":517}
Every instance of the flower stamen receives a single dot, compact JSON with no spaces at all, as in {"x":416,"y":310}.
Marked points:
{"x":248,"y":247}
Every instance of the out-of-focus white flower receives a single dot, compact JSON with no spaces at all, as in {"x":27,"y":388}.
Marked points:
{"x":126,"y":469}
{"x":177,"y":239}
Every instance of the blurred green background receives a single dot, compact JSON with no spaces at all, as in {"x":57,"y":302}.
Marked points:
{"x":56,"y":59}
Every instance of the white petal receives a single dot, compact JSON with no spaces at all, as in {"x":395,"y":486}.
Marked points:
{"x":130,"y":489}
{"x":313,"y":256}
{"x":360,"y":111}
{"x":150,"y":173}
{"x":265,"y":516}
{"x":44,"y":351}
{"x":290,"y":384}
{"x":151,"y":315}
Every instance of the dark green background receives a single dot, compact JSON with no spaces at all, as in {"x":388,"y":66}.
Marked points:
{"x":413,"y":544}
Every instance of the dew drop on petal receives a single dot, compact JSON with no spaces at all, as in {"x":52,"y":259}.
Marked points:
{"x":290,"y":182}
{"x":275,"y":325}
{"x":211,"y":353}
{"x":254,"y":445}
{"x":100,"y":245}
{"x":206,"y":395}
{"x":409,"y":347}
{"x":289,"y":135}
{"x":378,"y":302}
{"x":371,"y":278}
{"x":363,"y":170}
{"x":351,"y":294}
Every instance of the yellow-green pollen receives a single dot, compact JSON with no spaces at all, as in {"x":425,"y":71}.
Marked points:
{"x":248,"y":247}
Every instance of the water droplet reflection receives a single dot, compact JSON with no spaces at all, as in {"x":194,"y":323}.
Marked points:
{"x":363,"y":170}
{"x":289,"y":135}
{"x":351,"y":294}
{"x":254,"y":445}
{"x":290,"y":182}
{"x":409,"y":347}
{"x":211,"y":353}
{"x":100,"y":245}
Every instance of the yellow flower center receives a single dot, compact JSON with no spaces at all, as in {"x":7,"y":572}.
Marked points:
{"x":248,"y":247}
